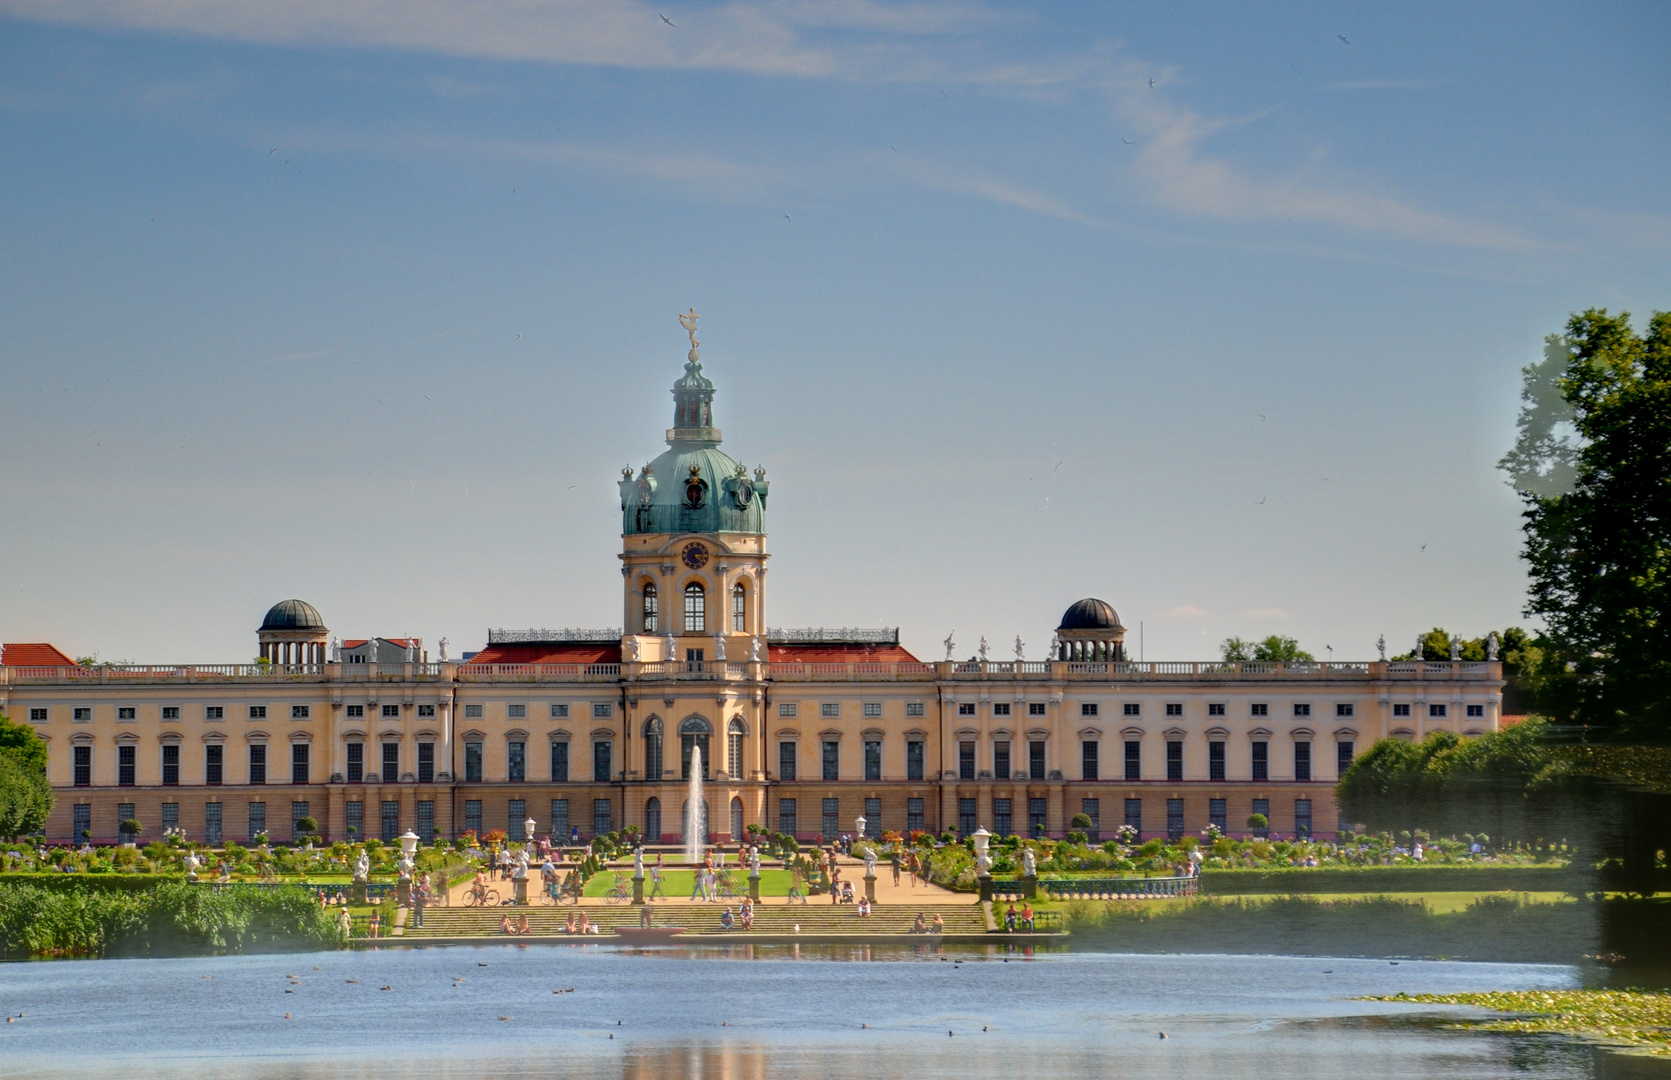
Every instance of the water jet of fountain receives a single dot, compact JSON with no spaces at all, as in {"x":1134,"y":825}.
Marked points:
{"x":696,"y":817}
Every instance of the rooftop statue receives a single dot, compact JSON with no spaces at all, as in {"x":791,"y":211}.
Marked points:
{"x":1492,"y":645}
{"x":950,"y":644}
{"x":1020,"y":649}
{"x":689,"y":323}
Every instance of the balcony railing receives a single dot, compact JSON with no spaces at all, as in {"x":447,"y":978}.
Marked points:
{"x":539,"y":672}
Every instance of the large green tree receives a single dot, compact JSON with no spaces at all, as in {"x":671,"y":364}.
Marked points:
{"x":25,"y":796}
{"x":1592,"y":464}
{"x":1271,"y":649}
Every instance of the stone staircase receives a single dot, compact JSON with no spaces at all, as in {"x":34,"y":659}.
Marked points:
{"x":813,"y":919}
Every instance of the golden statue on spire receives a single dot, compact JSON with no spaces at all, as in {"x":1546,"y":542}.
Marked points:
{"x":689,"y":323}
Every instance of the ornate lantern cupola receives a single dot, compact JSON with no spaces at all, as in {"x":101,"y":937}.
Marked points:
{"x":693,"y":398}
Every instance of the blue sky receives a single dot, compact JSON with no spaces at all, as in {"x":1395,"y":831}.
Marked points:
{"x":369,"y":302}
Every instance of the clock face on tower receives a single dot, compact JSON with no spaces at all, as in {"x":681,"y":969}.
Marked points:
{"x":694,"y":555}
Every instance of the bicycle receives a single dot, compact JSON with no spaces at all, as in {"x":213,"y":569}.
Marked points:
{"x":482,"y":896}
{"x":725,"y":887}
{"x":620,"y":892}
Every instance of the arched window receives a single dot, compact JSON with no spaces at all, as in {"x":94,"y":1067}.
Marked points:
{"x":734,"y":748}
{"x":652,"y":749}
{"x":694,"y":734}
{"x":737,"y":828}
{"x":739,"y":609}
{"x":650,"y":609}
{"x":652,"y":820}
{"x":696,"y":609}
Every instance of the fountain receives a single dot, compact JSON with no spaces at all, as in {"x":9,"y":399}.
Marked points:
{"x":696,"y":817}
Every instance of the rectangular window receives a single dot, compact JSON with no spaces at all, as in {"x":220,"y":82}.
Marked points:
{"x":212,"y":712}
{"x":1088,"y":760}
{"x":1174,"y":760}
{"x":391,"y":762}
{"x":1342,"y":757}
{"x":1302,"y":818}
{"x":258,"y":712}
{"x":1261,"y":760}
{"x":125,"y":712}
{"x":356,"y":712}
{"x":1002,"y":822}
{"x":124,"y":811}
{"x":965,"y":761}
{"x":516,"y":817}
{"x":1344,"y":708}
{"x":83,"y":821}
{"x":298,"y":811}
{"x":1134,"y":759}
{"x":786,"y":823}
{"x":125,"y":757}
{"x":170,"y":764}
{"x":1174,"y":819}
{"x":830,"y":709}
{"x":1401,"y":710}
{"x":1174,"y":708}
{"x":913,"y":815}
{"x":601,"y":763}
{"x":786,"y":761}
{"x":214,"y":758}
{"x":1035,"y":760}
{"x":1261,"y":709}
{"x":211,"y":823}
{"x":832,"y":818}
{"x":1132,"y":708}
{"x":873,"y":708}
{"x":426,"y":763}
{"x":559,"y":711}
{"x":1035,"y":708}
{"x":1092,"y":808}
{"x":1476,"y":711}
{"x":1215,"y":708}
{"x":472,"y":712}
{"x":913,"y":759}
{"x":1037,"y":810}
{"x":603,"y":817}
{"x":1215,"y":760}
{"x":83,"y":715}
{"x":258,"y":763}
{"x":169,"y":712}
{"x":299,"y":763}
{"x":426,"y":712}
{"x":516,"y":761}
{"x":83,"y":766}
{"x":391,"y":820}
{"x":1000,"y":708}
{"x":1262,"y":807}
{"x":38,"y":716}
{"x":965,"y":817}
{"x":257,"y":820}
{"x":1302,"y":709}
{"x":786,"y":708}
{"x":1218,"y":814}
{"x":966,"y":709}
{"x":559,"y":762}
{"x":560,"y":819}
{"x":1087,"y":708}
{"x":1001,"y":760}
{"x":1302,"y":761}
{"x":873,"y":759}
{"x":739,"y":610}
{"x":298,"y":712}
{"x":516,"y":712}
{"x":355,"y":819}
{"x":473,"y":816}
{"x":1437,"y":711}
{"x":915,"y":708}
{"x":426,"y":820}
{"x":832,"y":761}
{"x":602,"y":710}
{"x":696,"y":609}
{"x":356,"y":762}
{"x":391,"y":712}
{"x":873,"y":818}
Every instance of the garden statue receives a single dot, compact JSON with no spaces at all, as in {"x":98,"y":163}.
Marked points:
{"x":405,"y":866}
{"x":362,"y":868}
{"x":870,"y":860}
{"x":521,"y":872}
{"x":192,"y":863}
{"x":754,"y":862}
{"x":1029,"y":864}
{"x":638,"y":861}
{"x":1491,"y":645}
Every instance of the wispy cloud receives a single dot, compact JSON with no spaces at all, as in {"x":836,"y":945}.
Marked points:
{"x":961,"y":181}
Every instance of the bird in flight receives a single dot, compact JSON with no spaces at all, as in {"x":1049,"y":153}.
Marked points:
{"x":1151,"y":82}
{"x":894,"y":148}
{"x":786,"y":217}
{"x":273,"y":151}
{"x":1261,"y":502}
{"x":1344,"y":38}
{"x":1424,"y":548}
{"x":1126,"y":141}
{"x":1261,"y":416}
{"x":668,"y":21}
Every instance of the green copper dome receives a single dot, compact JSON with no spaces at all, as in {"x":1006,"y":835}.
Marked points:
{"x":694,"y":486}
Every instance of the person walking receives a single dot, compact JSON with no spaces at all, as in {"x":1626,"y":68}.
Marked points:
{"x":420,"y":899}
{"x":894,"y":860}
{"x":655,"y":880}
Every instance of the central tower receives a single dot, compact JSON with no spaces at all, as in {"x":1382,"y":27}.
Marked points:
{"x":693,"y":539}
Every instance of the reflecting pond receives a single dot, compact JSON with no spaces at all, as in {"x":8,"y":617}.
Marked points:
{"x":746,"y":1012}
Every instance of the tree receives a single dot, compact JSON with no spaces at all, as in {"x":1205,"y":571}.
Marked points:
{"x":21,"y":742}
{"x":1272,"y":649}
{"x":26,"y":799}
{"x":1592,"y":464}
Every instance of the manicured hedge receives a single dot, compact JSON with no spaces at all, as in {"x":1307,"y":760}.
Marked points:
{"x":84,"y":882}
{"x":1394,"y":879}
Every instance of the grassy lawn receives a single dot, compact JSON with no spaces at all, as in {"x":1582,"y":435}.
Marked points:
{"x":677,"y":884}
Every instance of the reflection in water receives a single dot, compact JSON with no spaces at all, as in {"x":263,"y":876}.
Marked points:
{"x":748,"y":1012}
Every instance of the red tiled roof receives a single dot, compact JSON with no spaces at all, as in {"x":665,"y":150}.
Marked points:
{"x":839,"y":654}
{"x":32,"y":654}
{"x":548,"y":654}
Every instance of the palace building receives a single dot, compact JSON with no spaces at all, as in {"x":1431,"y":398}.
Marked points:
{"x":799,"y":731}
